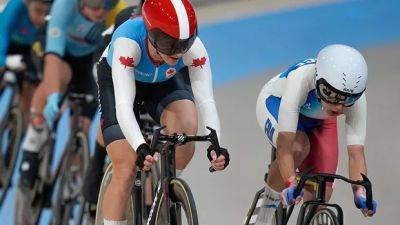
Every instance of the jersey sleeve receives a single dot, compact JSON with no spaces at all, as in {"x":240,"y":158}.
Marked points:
{"x":8,"y":17}
{"x":356,"y":122}
{"x":198,"y":64}
{"x":126,"y":56}
{"x":298,"y":85}
{"x":61,"y":14}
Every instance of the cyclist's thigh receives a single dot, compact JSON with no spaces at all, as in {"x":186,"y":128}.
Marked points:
{"x":180,"y":116}
{"x":83,"y":80}
{"x":54,"y":62}
{"x":267,"y":110}
{"x":158,"y":96}
{"x":323,"y":157}
{"x":171,"y":104}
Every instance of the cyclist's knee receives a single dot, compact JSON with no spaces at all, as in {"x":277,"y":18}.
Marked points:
{"x":189,"y":124}
{"x":301,"y":146}
{"x":124,"y":177}
{"x":181,"y":117}
{"x":123,"y":160}
{"x":185,"y":124}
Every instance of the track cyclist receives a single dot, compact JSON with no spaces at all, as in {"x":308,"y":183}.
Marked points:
{"x":298,"y":112}
{"x":19,"y":24}
{"x":95,"y":173}
{"x":142,"y":63}
{"x":73,"y":34}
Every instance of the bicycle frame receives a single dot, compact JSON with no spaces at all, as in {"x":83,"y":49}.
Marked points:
{"x":168,"y":164}
{"x":168,"y":172}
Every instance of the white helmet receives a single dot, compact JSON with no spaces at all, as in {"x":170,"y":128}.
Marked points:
{"x":341,"y":74}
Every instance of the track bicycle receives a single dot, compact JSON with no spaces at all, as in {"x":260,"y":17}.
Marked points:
{"x":59,"y":175}
{"x":172,"y":195}
{"x":313,"y":212}
{"x":11,"y":121}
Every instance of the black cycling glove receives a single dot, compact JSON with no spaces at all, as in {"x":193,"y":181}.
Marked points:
{"x":142,"y":151}
{"x":222,"y":151}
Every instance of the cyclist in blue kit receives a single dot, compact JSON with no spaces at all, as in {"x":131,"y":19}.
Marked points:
{"x":19,"y":24}
{"x":142,"y":64}
{"x":72,"y":36}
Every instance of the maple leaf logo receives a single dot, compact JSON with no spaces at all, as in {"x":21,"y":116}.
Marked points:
{"x":126,"y":61}
{"x":170,"y":72}
{"x":199,"y":62}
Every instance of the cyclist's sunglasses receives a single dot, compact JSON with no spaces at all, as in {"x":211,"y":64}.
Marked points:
{"x":168,"y":45}
{"x":333,"y":96}
{"x":97,"y":4}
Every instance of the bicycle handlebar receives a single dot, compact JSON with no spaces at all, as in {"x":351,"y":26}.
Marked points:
{"x":321,"y":178}
{"x":183,"y":139}
{"x":365,"y":182}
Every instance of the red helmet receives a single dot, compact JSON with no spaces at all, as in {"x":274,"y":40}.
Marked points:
{"x":171,"y":25}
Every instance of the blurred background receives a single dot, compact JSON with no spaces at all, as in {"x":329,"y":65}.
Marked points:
{"x":250,"y":41}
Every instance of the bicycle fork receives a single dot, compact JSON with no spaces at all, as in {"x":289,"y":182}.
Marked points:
{"x":162,"y":201}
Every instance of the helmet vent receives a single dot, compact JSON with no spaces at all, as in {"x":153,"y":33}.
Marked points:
{"x":344,"y":79}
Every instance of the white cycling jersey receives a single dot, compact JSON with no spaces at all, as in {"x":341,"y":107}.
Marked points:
{"x":296,"y":90}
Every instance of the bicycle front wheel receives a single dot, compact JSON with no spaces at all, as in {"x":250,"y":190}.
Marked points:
{"x":130,"y":214}
{"x":180,"y":198}
{"x":324,"y":217}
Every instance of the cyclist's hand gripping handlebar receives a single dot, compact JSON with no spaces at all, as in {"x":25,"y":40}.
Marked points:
{"x":213,"y":139}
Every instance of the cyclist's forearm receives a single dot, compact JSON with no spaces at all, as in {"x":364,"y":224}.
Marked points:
{"x":53,"y":69}
{"x":357,"y":164}
{"x":285,"y":155}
